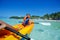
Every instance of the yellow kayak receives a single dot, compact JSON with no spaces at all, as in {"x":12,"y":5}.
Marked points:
{"x":12,"y":36}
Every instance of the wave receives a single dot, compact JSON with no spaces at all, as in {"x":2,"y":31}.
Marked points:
{"x":45,"y":23}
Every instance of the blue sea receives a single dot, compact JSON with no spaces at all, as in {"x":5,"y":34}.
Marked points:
{"x":43,"y":30}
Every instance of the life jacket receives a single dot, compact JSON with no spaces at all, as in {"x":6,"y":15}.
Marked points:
{"x":26,"y":21}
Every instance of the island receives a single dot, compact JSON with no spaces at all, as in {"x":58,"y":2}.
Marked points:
{"x":52,"y":16}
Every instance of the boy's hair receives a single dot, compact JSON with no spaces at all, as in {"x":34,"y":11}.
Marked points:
{"x":27,"y":14}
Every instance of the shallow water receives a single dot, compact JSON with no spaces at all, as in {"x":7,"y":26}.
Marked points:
{"x":46,"y":32}
{"x":40,"y":31}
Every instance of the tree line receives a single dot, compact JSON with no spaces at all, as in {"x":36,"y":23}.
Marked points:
{"x":52,"y":16}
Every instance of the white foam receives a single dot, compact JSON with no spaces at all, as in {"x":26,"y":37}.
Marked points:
{"x":47,"y":24}
{"x":32,"y":39}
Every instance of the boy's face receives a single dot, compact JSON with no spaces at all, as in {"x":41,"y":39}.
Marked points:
{"x":28,"y":16}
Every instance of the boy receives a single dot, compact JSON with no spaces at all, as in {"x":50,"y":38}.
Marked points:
{"x":26,"y":20}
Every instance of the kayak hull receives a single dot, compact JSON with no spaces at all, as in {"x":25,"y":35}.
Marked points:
{"x":23,"y":30}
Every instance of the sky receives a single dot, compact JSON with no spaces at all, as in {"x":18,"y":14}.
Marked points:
{"x":34,"y":7}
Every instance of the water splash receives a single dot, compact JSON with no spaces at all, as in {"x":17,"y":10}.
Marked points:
{"x":45,"y":23}
{"x":32,"y":39}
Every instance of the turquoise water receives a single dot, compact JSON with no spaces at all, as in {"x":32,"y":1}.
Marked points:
{"x":45,"y":30}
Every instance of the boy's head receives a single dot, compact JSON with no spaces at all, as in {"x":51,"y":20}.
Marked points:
{"x":28,"y":15}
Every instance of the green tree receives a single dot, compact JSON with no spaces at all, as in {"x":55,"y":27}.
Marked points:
{"x":46,"y":16}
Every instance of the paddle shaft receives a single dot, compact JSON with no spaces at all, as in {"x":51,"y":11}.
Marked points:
{"x":18,"y":33}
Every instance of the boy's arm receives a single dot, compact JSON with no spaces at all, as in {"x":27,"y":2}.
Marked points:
{"x":24,"y":18}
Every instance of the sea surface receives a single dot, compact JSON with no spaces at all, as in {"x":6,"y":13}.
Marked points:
{"x":43,"y":30}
